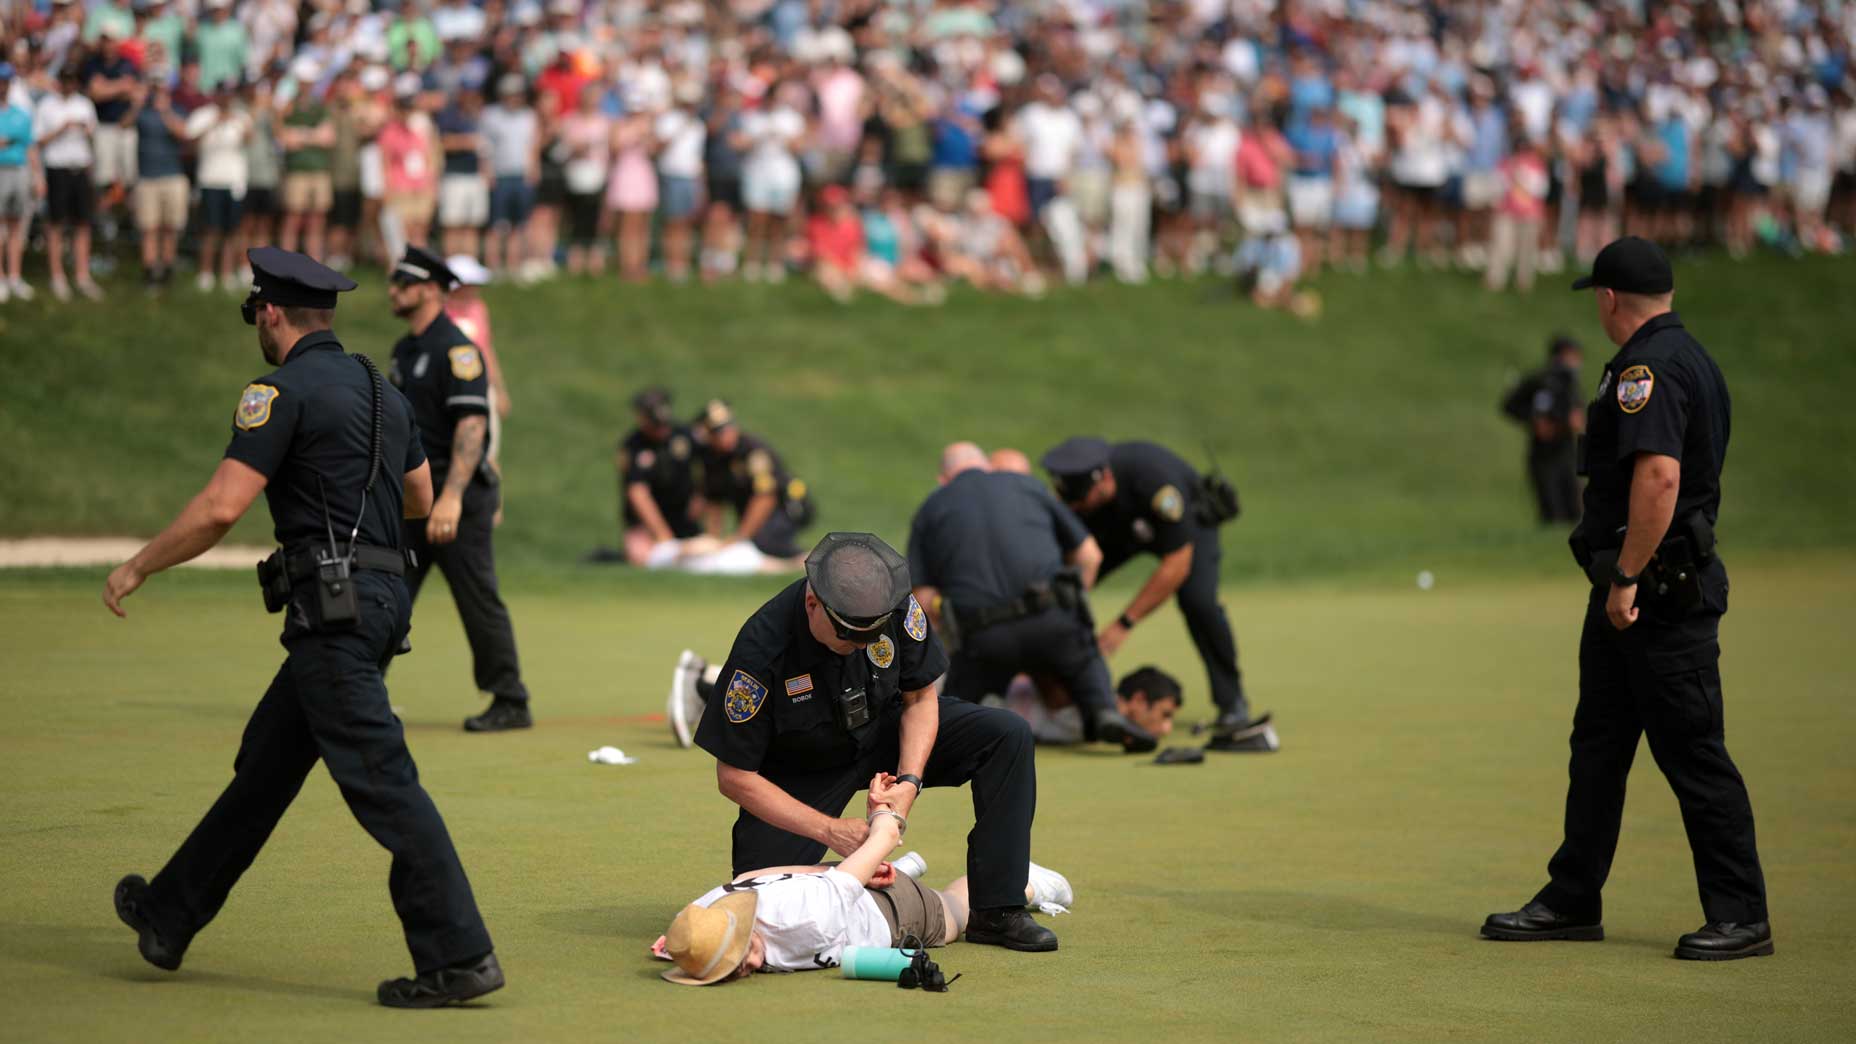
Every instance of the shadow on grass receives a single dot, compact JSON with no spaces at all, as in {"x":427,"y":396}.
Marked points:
{"x":111,"y":955}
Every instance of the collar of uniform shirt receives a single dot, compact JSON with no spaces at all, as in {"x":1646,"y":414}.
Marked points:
{"x":1653,"y":325}
{"x":311,"y":341}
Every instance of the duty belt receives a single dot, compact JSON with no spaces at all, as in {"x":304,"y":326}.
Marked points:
{"x":366,"y":556}
{"x":1030,"y":603}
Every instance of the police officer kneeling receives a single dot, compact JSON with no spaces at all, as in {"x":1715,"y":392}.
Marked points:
{"x":334,"y":451}
{"x":1649,"y":654}
{"x":993,"y":553}
{"x":831,"y":682}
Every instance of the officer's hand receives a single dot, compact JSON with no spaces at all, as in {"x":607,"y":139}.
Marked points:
{"x":887,"y":792}
{"x":1621,"y":606}
{"x":442,"y":526}
{"x":846,"y":836}
{"x":123,"y":581}
{"x":1111,"y":638}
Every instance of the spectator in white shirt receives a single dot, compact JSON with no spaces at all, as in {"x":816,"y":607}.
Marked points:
{"x":219,"y":131}
{"x":770,"y":179}
{"x":1053,"y":135}
{"x":681,"y":135}
{"x":63,"y":126}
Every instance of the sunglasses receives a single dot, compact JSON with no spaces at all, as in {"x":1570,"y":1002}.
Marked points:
{"x":847,"y":633}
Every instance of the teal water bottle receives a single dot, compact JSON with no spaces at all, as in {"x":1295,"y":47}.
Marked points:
{"x":873,"y":962}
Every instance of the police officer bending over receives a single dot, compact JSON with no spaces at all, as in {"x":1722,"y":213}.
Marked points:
{"x":337,"y":456}
{"x":743,"y":472}
{"x":994,"y":555}
{"x":657,"y":481}
{"x":831,"y":682}
{"x":1136,"y":498}
{"x":442,"y":373}
{"x":1649,"y":654}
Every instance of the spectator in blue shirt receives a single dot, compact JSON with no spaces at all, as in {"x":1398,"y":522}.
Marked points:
{"x":954,"y":165}
{"x":18,"y":199}
{"x":161,"y":195}
{"x":1316,"y":141}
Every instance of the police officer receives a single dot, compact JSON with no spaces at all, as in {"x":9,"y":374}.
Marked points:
{"x":442,"y":373}
{"x":657,"y":478}
{"x":995,"y":553}
{"x":334,"y":451}
{"x":743,"y":472}
{"x":1547,"y":403}
{"x":1648,"y":656}
{"x":832,"y":681}
{"x":1138,"y":498}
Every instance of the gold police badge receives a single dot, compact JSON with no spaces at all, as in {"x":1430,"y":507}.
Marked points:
{"x":254,"y":406}
{"x":1634,"y":387}
{"x":1169,"y":504}
{"x":466,"y":363}
{"x":882,"y":652}
{"x":744,"y":698}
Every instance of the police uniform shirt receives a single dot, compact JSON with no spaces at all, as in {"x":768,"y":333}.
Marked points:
{"x":1555,"y":392}
{"x":313,"y":416}
{"x":1152,"y":508}
{"x":773,"y":710}
{"x":667,"y":469}
{"x":753,"y":469}
{"x":1661,"y":394}
{"x":442,"y":374}
{"x":987,"y":536}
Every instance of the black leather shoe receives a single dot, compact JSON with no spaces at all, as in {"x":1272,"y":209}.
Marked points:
{"x":501,"y":716}
{"x":453,"y":985}
{"x":1535,"y":923}
{"x":132,"y":907}
{"x":1111,"y":727}
{"x":1233,"y":724}
{"x":1012,"y":929}
{"x":1726,"y":941}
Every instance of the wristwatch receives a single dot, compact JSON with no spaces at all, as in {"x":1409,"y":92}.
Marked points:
{"x":1619,"y":578}
{"x":1126,"y":622}
{"x":911,"y":778}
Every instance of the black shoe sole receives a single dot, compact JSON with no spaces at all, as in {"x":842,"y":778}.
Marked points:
{"x":1689,"y":953}
{"x":142,"y":929}
{"x":1575,"y":933}
{"x":471,"y":725}
{"x":423,"y":1003}
{"x":987,"y":939}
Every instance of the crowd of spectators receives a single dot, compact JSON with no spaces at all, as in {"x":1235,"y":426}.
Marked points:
{"x":894,"y":146}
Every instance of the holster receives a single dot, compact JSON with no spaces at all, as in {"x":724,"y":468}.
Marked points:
{"x":1216,"y":503}
{"x":274,"y":582}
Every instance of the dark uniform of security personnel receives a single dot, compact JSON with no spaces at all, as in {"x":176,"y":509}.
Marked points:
{"x":1140,"y":498}
{"x":993,"y":553}
{"x":329,"y":445}
{"x":657,"y":477}
{"x":741,"y":471}
{"x":832,"y":682}
{"x":1546,"y":402}
{"x":1649,"y":654}
{"x":442,"y":374}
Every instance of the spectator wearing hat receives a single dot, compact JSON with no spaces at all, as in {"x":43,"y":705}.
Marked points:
{"x":221,"y":43}
{"x":308,"y":138}
{"x":63,"y":125}
{"x":19,"y":190}
{"x":464,"y":189}
{"x":512,"y":135}
{"x":161,"y":191}
{"x":409,"y":161}
{"x":111,"y":82}
{"x":161,"y":31}
{"x":264,"y":169}
{"x":219,"y":131}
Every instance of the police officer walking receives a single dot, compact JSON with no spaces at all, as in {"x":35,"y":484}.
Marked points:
{"x":442,"y":373}
{"x":995,"y":555}
{"x":741,"y":471}
{"x":1649,"y":654}
{"x":1140,"y":498}
{"x":832,"y":681}
{"x":1546,"y":402}
{"x":337,"y":455}
{"x":657,"y":479}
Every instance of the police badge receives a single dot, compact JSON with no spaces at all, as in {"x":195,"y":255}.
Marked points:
{"x":466,"y":364}
{"x":1634,"y":387}
{"x":882,"y":652}
{"x":254,"y":406}
{"x":744,"y":697}
{"x":915,"y":622}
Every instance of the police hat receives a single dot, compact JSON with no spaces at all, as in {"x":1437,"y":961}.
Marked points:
{"x":653,"y":403}
{"x":420,"y":265}
{"x":290,"y":280}
{"x":1631,"y":265}
{"x":1561,"y":342}
{"x":1075,"y":463}
{"x":859,"y":578}
{"x":716,"y":415}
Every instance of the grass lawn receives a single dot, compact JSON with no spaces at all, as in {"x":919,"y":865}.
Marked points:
{"x":1329,"y":892}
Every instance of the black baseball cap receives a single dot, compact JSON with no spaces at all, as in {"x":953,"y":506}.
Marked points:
{"x":653,"y":403}
{"x":1632,"y":265}
{"x":860,"y":579}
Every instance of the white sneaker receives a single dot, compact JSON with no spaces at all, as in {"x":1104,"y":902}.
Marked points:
{"x":1050,"y":888}
{"x":684,"y":705}
{"x":911,"y":865}
{"x":61,"y":290}
{"x":204,"y":282}
{"x":21,"y":289}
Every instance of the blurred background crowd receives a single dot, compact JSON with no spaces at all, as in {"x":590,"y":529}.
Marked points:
{"x":895,"y":146}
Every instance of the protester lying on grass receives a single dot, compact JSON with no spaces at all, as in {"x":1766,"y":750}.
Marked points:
{"x":1148,"y":697}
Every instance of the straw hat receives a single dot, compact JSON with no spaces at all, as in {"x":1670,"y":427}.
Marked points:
{"x":708,"y":944}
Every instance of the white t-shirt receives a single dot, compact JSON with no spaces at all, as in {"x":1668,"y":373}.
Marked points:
{"x":808,"y":919}
{"x":69,"y":151}
{"x":1052,"y":134}
{"x":683,"y":136}
{"x":222,"y":147}
{"x":1214,"y":165}
{"x":774,"y":133}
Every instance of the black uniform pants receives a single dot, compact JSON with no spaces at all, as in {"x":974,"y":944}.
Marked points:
{"x":1553,"y":469}
{"x":778,"y":537}
{"x":329,"y":702}
{"x":1662,"y":680}
{"x":1057,"y":642}
{"x":985,"y":746}
{"x":1210,"y":628}
{"x":469,"y":565}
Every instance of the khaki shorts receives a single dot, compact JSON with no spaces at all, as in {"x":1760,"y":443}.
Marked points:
{"x":161,"y":203}
{"x":912,"y":908}
{"x":114,"y":146}
{"x":308,"y":192}
{"x":412,"y":210}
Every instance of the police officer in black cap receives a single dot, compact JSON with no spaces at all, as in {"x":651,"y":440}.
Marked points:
{"x":1649,"y":653}
{"x":337,"y":455}
{"x":741,"y":471}
{"x":831,"y":683}
{"x":657,"y":478}
{"x":1546,"y":402}
{"x":1137,"y":497}
{"x":993,"y":553}
{"x":442,"y":373}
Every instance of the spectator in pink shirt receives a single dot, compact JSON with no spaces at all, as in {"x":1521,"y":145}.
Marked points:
{"x":1515,"y":239}
{"x":409,"y":161}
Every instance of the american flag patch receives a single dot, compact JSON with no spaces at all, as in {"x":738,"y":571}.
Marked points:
{"x":795,"y":686}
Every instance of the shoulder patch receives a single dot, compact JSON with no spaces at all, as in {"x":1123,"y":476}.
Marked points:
{"x":744,"y":698}
{"x":882,"y":652}
{"x":760,"y":462}
{"x":1169,"y":504}
{"x":254,"y":406}
{"x":466,"y":362}
{"x":645,"y":459}
{"x":680,"y":447}
{"x":915,"y":621}
{"x":1634,"y":387}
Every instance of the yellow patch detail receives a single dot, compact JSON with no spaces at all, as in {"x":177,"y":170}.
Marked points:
{"x":466,"y":363}
{"x":882,"y":652}
{"x":1634,"y":387}
{"x":254,"y":406}
{"x":1169,"y":504}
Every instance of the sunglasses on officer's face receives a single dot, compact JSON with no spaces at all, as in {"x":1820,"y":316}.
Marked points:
{"x":855,"y":635}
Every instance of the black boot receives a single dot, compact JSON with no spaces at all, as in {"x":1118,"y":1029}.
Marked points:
{"x":1111,"y":727}
{"x":1536,"y":923}
{"x":1012,"y":928}
{"x":132,"y":908}
{"x":453,"y":985}
{"x":1726,"y":941}
{"x":501,"y":716}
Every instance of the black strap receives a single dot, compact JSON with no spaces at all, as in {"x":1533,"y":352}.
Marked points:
{"x":365,"y":556}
